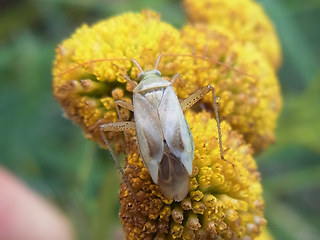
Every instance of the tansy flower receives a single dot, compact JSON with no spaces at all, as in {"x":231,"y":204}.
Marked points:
{"x":265,"y":235}
{"x":246,"y":19}
{"x":225,"y":195}
{"x":250,"y":104}
{"x":87,"y":85}
{"x":224,"y":201}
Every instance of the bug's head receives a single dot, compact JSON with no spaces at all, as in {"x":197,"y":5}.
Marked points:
{"x":143,"y":75}
{"x":150,"y":73}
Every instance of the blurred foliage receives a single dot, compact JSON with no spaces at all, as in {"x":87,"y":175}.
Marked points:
{"x":52,"y":156}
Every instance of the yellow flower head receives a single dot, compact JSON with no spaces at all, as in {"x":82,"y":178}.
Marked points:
{"x":249,"y":102}
{"x":87,"y":85}
{"x":90,"y":66}
{"x":244,"y":18}
{"x":225,"y":195}
{"x":265,"y":235}
{"x":224,"y":201}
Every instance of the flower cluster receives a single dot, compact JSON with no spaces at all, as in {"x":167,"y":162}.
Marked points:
{"x":84,"y":81}
{"x":246,"y":19}
{"x":249,"y":102}
{"x":225,"y":198}
{"x":225,"y":195}
{"x":86,"y":85}
{"x":265,"y":235}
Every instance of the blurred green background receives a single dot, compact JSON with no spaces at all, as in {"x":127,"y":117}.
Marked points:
{"x":51,"y":155}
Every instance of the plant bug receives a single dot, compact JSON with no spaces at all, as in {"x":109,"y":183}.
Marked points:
{"x":164,"y":139}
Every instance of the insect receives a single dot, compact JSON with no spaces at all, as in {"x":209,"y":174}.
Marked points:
{"x":164,"y":137}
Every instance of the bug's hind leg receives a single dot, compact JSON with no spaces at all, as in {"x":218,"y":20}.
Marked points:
{"x":197,"y":96}
{"x":117,"y":127}
{"x":216,"y":113}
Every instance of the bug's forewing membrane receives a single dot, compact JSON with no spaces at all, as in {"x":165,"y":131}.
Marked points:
{"x":149,"y":134}
{"x":175,"y":128}
{"x":173,"y":177}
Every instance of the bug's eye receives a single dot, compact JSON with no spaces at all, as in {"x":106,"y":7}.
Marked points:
{"x":158,"y":73}
{"x":141,"y":75}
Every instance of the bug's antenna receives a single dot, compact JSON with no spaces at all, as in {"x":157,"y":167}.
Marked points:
{"x":214,"y":60}
{"x":137,"y":64}
{"x":157,"y":61}
{"x":96,"y":61}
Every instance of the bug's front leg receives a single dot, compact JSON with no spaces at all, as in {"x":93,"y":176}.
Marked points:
{"x":123,"y":104}
{"x":197,"y":96}
{"x":124,"y":116}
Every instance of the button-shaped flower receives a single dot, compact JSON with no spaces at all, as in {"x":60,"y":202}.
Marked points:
{"x":225,"y":198}
{"x":246,"y":19}
{"x":250,"y":100}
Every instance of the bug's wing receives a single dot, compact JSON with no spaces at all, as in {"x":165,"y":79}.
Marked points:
{"x":149,"y":134}
{"x":175,"y":128}
{"x":173,"y":177}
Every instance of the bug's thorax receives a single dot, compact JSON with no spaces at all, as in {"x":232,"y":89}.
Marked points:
{"x":150,"y":80}
{"x":154,"y":97}
{"x":151,"y":86}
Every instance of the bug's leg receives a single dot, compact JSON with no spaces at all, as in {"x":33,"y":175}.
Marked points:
{"x":175,"y":77}
{"x":123,"y":104}
{"x":198,"y":95}
{"x":123,"y":117}
{"x":117,"y":127}
{"x":216,"y":113}
{"x":132,"y":83}
{"x":194,"y":98}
